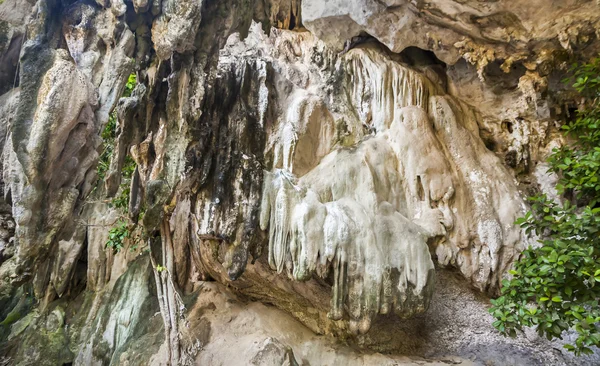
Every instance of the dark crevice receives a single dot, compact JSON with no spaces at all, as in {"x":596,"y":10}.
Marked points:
{"x":490,"y":144}
{"x":9,"y":71}
{"x":424,"y":61}
{"x":420,"y":189}
{"x":507,"y":126}
{"x":416,"y":57}
{"x":361,"y":39}
{"x":292,"y":20}
{"x":502,"y":79}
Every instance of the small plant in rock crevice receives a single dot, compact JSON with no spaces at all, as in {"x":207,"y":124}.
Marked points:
{"x":123,"y":229}
{"x":108,"y":139}
{"x":121,"y":201}
{"x":109,"y":133}
{"x":160,"y":268}
{"x":117,"y":236}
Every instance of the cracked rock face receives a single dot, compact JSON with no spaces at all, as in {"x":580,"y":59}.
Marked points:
{"x":476,"y":30}
{"x":357,"y":164}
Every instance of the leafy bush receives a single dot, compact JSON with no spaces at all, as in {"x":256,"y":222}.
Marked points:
{"x":555,"y":286}
{"x":121,"y":201}
{"x":117,"y":236}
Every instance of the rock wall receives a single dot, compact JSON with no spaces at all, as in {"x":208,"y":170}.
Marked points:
{"x":358,"y":165}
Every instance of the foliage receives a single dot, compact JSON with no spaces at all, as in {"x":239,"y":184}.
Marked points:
{"x":108,"y":137}
{"x":128,"y":167}
{"x":117,"y":236}
{"x":109,"y":133}
{"x":555,"y":286}
{"x":122,"y":230}
{"x":130,"y":85}
{"x":160,"y":268}
{"x":121,"y":201}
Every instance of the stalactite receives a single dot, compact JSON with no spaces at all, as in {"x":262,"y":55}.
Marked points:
{"x":317,"y":224}
{"x":368,"y":212}
{"x":381,"y":87}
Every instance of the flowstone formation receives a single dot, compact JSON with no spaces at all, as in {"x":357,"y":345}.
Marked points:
{"x":358,"y":165}
{"x":368,"y":210}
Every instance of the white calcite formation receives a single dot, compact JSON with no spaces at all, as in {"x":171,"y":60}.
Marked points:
{"x":368,"y":214}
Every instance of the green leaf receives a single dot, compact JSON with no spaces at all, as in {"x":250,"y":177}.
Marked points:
{"x":561,"y":274}
{"x":568,"y":291}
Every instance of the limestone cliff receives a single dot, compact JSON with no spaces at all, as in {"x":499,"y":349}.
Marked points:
{"x":274,"y":182}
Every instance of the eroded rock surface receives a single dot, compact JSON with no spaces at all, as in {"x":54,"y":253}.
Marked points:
{"x":358,"y":165}
{"x":479,"y":31}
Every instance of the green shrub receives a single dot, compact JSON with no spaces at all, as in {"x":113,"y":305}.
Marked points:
{"x":117,"y":236}
{"x":555,"y":286}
